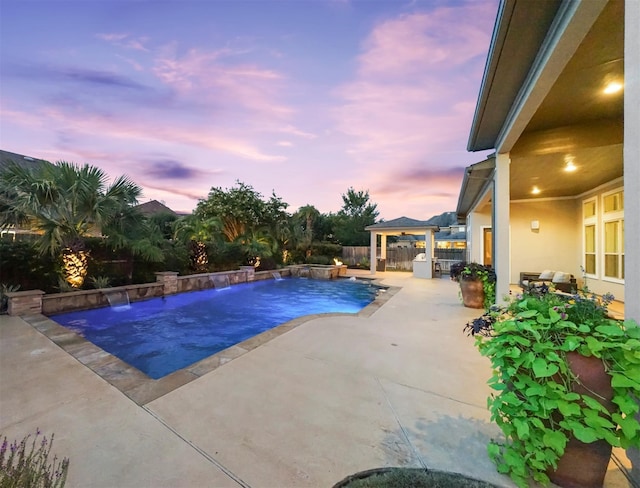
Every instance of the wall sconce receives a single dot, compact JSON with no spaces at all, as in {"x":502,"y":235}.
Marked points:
{"x":535,"y":225}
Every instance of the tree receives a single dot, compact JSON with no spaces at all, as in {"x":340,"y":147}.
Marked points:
{"x":356,"y":214}
{"x":304,"y":220}
{"x":239,"y":209}
{"x":196,"y":232}
{"x":65,"y":203}
{"x":260,"y":226}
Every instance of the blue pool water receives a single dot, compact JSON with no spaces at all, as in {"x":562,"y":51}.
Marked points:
{"x":162,"y":335}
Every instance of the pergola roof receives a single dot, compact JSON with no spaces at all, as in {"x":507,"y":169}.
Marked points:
{"x":402,"y":225}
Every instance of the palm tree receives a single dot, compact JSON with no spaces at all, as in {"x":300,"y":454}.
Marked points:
{"x":257,"y":243}
{"x":65,"y":203}
{"x":196,"y":232}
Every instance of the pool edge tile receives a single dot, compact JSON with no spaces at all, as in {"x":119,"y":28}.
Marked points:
{"x":140,"y":388}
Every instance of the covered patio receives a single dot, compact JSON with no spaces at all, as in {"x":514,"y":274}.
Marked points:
{"x":397,"y":227}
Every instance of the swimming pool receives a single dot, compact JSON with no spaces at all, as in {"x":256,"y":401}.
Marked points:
{"x":162,"y":335}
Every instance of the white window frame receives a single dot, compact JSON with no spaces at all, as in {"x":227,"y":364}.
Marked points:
{"x":587,"y":221}
{"x":617,"y":216}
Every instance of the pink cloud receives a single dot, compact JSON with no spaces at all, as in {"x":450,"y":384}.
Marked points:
{"x":91,"y":124}
{"x":214,"y":77}
{"x":416,"y":85}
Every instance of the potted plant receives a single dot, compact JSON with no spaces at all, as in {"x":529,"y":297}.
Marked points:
{"x":477,"y":284}
{"x":567,"y":383}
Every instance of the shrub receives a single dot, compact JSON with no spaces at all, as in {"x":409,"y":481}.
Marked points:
{"x":315,"y":259}
{"x":20,"y":264}
{"x":21,"y":466}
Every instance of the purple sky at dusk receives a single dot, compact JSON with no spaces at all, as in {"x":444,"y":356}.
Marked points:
{"x":305,"y":98}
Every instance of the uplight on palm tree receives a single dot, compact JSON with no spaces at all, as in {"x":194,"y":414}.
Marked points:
{"x":64,"y":203}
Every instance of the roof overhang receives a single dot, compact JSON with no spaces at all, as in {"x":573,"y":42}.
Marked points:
{"x":520,"y":29}
{"x":477,"y":178}
{"x":542,"y":100}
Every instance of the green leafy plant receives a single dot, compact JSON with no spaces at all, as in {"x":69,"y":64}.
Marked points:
{"x":24,"y":466}
{"x":477,"y":272}
{"x":535,"y":403}
{"x":99,"y":282}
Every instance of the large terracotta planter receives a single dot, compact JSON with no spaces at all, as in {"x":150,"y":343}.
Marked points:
{"x":585,"y":465}
{"x":430,"y":477}
{"x":472,"y":293}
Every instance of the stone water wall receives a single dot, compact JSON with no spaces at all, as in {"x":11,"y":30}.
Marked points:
{"x":87,"y":299}
{"x":168,"y":282}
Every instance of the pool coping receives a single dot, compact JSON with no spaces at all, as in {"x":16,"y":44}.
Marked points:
{"x":142,"y":389}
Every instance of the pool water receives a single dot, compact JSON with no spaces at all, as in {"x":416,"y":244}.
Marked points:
{"x":162,"y":335}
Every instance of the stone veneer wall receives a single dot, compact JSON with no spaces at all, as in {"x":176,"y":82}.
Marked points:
{"x":86,"y":299}
{"x":35,"y":301}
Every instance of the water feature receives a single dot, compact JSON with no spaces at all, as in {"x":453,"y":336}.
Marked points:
{"x":118,"y":299}
{"x":162,"y":335}
{"x":277,"y":276}
{"x":220,"y":282}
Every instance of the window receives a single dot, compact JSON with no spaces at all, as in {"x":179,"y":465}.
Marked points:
{"x":613,"y":238}
{"x":589,"y":216}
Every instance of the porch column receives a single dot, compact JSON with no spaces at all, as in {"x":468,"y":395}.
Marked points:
{"x":631,"y":149}
{"x":372,"y":252}
{"x":500,"y":225}
{"x":383,"y":246}
{"x":428,"y":252}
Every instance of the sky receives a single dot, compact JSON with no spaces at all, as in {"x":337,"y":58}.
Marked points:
{"x":304,"y":98}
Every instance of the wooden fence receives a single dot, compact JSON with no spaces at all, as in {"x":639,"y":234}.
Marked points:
{"x":400,"y":259}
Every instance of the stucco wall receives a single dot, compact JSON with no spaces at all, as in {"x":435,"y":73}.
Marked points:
{"x":553,"y":246}
{"x":476,"y":222}
{"x":557,"y":244}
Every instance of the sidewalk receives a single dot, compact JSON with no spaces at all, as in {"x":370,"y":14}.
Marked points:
{"x":336,"y":395}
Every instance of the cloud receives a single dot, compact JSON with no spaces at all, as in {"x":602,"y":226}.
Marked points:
{"x":72,"y":74}
{"x":125,"y":40}
{"x":284,"y":144}
{"x":176,"y":191}
{"x":218,"y":77}
{"x":171,"y":170}
{"x":415,"y":85}
{"x":113,"y":127}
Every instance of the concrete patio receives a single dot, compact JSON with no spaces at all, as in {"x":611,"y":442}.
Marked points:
{"x":333,"y":396}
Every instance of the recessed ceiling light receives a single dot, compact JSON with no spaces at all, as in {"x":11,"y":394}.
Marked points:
{"x":535,"y":190}
{"x":569,"y":166}
{"x":612,"y":87}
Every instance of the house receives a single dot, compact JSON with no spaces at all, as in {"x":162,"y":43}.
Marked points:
{"x":154,"y":207}
{"x":15,"y":231}
{"x":450,"y":235}
{"x":559,"y":105}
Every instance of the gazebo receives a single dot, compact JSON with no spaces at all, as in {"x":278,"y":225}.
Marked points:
{"x":401,"y":226}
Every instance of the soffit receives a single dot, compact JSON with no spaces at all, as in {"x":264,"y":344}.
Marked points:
{"x":521,"y":28}
{"x":577,"y":120}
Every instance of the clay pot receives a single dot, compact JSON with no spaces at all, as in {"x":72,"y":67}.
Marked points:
{"x":585,"y":465}
{"x":472,"y":293}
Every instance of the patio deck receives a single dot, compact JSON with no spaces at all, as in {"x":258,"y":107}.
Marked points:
{"x":333,"y":396}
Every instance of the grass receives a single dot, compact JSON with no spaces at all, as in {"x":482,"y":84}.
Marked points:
{"x":410,"y":478}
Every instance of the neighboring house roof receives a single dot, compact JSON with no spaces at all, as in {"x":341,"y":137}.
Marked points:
{"x":447,"y":235}
{"x":154,"y":207}
{"x":7,"y":157}
{"x":446,"y":219}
